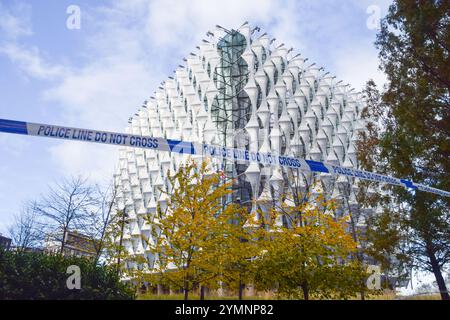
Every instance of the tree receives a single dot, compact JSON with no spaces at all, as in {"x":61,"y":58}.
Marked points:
{"x":231,"y":255}
{"x":309,"y":255}
{"x":24,"y":232}
{"x":414,"y":43}
{"x":305,"y":190}
{"x":64,"y":207}
{"x":116,"y":253}
{"x":98,"y":225}
{"x":384,"y":237}
{"x":200,"y":235}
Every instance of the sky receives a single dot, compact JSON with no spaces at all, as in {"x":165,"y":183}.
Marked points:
{"x":97,"y":74}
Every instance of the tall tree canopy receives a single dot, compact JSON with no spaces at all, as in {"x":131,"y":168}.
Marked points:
{"x":414,"y":43}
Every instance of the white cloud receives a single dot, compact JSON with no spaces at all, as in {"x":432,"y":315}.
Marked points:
{"x":31,"y":62}
{"x":13,"y":148}
{"x":133,"y":39}
{"x":357,"y":61}
{"x":173,"y":22}
{"x":15,"y":22}
{"x":102,"y":95}
{"x":131,"y":46}
{"x":95,"y":161}
{"x":357,"y":65}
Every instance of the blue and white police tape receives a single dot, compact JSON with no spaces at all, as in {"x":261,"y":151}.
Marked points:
{"x":184,"y":147}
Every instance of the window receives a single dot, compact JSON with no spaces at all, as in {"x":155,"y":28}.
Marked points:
{"x":294,"y":85}
{"x":255,"y":61}
{"x":258,"y":100}
{"x":283,"y":143}
{"x":205,"y":103}
{"x":291,"y":128}
{"x":303,"y":152}
{"x":280,"y":106}
{"x":268,"y":84}
{"x":305,"y":105}
{"x":328,"y":145}
{"x":275,"y":76}
{"x":264,"y":55}
{"x":310,"y":135}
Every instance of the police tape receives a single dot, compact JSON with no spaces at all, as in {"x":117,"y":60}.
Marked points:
{"x":193,"y":148}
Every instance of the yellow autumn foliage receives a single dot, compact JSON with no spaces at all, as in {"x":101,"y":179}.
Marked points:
{"x":205,"y":239}
{"x":200,"y":236}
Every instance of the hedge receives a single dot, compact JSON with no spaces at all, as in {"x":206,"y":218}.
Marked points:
{"x":34,"y":275}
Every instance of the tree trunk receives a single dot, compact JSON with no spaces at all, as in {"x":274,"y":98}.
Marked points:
{"x":220,"y":290}
{"x":202,"y":292}
{"x":241,"y":289}
{"x":359,"y":257}
{"x":186,"y":289}
{"x":438,"y":275}
{"x":186,"y":280}
{"x":120,"y":243}
{"x":363,"y":286}
{"x":98,"y":251}
{"x":63,"y":242}
{"x":305,"y":291}
{"x":159,"y":289}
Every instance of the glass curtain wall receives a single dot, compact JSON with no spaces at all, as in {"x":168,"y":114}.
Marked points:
{"x":231,"y":110}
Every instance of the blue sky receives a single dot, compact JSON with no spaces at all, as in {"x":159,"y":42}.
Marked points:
{"x":98,"y":75}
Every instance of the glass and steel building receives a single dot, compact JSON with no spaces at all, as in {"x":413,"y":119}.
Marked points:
{"x":242,"y":89}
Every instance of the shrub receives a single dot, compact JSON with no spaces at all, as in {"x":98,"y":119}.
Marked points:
{"x":32,"y":275}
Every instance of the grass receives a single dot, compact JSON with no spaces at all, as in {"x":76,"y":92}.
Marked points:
{"x":421,"y":297}
{"x":150,"y":296}
{"x":386,"y":296}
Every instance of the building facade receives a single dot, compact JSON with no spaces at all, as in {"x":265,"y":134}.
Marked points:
{"x":75,"y":244}
{"x":5,"y":243}
{"x":241,"y":89}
